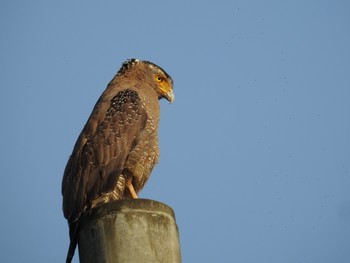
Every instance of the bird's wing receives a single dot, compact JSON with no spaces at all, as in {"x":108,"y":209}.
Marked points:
{"x":101,"y":150}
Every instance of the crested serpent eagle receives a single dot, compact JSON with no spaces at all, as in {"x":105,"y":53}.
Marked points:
{"x":115,"y":153}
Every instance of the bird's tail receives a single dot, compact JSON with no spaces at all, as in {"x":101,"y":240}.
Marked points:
{"x":73,"y":234}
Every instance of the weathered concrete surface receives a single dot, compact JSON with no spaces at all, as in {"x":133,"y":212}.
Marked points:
{"x":130,"y":230}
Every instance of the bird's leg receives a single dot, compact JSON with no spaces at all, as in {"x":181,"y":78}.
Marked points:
{"x":131,"y":187}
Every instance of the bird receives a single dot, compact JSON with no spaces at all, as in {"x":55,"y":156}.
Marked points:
{"x":117,"y":148}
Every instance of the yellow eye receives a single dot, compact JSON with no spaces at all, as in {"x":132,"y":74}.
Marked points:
{"x":159,"y":79}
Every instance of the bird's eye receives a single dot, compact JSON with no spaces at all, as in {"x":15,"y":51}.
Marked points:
{"x":159,"y":78}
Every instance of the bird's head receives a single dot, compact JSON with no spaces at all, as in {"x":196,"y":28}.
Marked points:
{"x":164,"y":85}
{"x":158,"y":78}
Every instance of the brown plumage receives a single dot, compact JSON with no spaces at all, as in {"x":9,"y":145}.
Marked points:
{"x":118,"y":146}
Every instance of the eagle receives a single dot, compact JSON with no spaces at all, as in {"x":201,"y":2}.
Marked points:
{"x":117,"y":149}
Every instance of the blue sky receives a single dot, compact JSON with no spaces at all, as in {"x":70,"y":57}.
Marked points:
{"x":255,"y":150}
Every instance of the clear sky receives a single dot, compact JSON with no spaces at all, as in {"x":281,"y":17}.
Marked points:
{"x":255,"y":150}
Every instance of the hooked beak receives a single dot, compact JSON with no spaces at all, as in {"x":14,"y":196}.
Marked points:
{"x":169,"y":96}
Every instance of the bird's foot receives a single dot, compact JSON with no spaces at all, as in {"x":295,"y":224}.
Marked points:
{"x":131,"y":188}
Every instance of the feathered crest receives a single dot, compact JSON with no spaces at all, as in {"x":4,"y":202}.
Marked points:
{"x":131,"y":62}
{"x":127,"y":64}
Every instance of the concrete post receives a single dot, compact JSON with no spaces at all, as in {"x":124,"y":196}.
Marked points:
{"x":127,"y":231}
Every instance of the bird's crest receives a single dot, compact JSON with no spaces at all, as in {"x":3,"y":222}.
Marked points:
{"x":128,"y":63}
{"x":131,"y":62}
